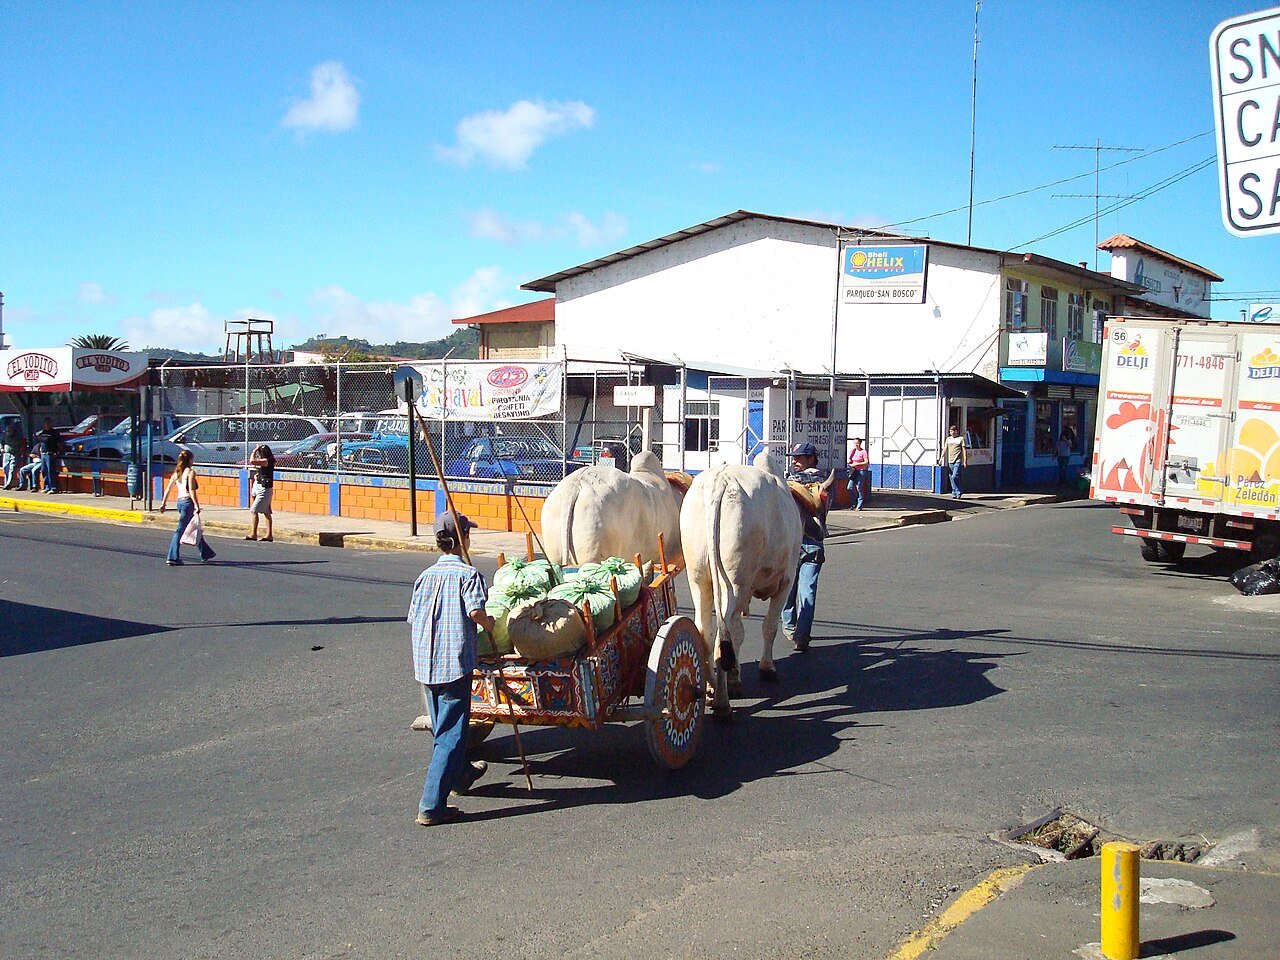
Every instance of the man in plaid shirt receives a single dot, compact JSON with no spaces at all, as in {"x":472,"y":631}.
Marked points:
{"x":447,"y":605}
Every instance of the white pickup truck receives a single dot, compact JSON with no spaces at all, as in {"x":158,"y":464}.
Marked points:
{"x":1188,"y":434}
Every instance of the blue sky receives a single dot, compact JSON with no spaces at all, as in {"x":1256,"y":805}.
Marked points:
{"x":377,"y":169}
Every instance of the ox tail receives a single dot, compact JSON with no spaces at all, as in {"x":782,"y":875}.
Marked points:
{"x":566,"y":541}
{"x":721,"y":590}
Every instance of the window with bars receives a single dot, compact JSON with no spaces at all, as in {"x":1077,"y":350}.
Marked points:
{"x":701,"y":424}
{"x":1015,"y":303}
{"x":1049,"y":311}
{"x":1075,"y":316}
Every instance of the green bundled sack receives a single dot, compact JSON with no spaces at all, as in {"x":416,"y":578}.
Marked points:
{"x":597,"y":595}
{"x":546,"y":629}
{"x":542,"y":574}
{"x":502,"y":600}
{"x":627,"y":574}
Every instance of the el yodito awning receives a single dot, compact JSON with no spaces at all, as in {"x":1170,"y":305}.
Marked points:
{"x":60,"y":369}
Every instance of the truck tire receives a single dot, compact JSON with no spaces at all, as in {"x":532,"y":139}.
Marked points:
{"x":1170,"y":551}
{"x":1150,"y":550}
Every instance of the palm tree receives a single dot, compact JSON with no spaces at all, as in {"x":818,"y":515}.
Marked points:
{"x":99,"y":341}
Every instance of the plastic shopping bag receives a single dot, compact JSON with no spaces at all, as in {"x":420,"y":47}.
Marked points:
{"x":194,"y":531}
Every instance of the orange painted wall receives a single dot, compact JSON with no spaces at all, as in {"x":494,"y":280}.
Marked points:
{"x":290,"y":496}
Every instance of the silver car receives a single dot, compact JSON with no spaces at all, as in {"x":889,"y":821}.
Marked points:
{"x":231,"y":439}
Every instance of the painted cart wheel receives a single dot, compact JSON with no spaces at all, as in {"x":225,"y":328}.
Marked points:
{"x":675,"y":683}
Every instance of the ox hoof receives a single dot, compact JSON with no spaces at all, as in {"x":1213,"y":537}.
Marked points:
{"x":722,"y":713}
{"x":768,"y":675}
{"x":736,"y":690}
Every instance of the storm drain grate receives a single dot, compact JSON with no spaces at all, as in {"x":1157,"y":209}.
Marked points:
{"x":1063,"y":835}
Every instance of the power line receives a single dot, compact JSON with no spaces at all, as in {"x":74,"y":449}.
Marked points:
{"x":1045,"y":186}
{"x":1097,"y":149}
{"x":1142,"y":195}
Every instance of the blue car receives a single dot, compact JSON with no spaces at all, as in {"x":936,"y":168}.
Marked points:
{"x":530,"y":459}
{"x":116,"y":444}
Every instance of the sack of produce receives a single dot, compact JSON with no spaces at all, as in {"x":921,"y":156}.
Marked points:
{"x":539,"y":573}
{"x":502,"y":600}
{"x":627,"y":575}
{"x":598,"y":597}
{"x":546,"y":629}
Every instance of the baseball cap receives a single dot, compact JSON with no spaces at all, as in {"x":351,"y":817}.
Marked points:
{"x":444,"y":523}
{"x":805,"y":449}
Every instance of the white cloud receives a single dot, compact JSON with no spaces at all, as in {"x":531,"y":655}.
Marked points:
{"x":192,"y":327}
{"x":491,"y":225}
{"x":92,"y":294}
{"x":425,"y":316}
{"x":506,"y":139}
{"x":705,"y":167}
{"x":334,"y":102}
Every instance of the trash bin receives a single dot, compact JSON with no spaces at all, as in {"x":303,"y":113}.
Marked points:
{"x":133,"y":480}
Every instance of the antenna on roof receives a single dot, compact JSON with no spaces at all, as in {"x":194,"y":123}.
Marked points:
{"x":973,"y":119}
{"x":1097,"y":194}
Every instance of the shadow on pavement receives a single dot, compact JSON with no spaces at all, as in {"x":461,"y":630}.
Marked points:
{"x":804,"y":719}
{"x":31,"y":629}
{"x":314,"y":622}
{"x":1184,"y":941}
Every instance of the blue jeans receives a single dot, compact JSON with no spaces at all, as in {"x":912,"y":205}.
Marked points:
{"x":855,"y":487}
{"x":1063,"y":470}
{"x":29,"y":476}
{"x":187,"y":510}
{"x":797,"y":615}
{"x":10,"y":469}
{"x":956,"y":469}
{"x":450,"y":707}
{"x":49,"y":464}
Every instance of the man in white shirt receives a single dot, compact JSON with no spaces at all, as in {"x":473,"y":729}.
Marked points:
{"x":955,"y":457}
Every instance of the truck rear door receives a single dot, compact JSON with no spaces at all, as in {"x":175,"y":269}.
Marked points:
{"x":1201,"y":375}
{"x":1131,"y":412}
{"x":1254,"y":457}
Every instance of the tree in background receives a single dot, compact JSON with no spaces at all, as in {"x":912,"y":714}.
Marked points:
{"x":98,"y":341}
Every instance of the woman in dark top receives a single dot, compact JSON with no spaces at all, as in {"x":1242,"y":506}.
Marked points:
{"x":264,"y":463}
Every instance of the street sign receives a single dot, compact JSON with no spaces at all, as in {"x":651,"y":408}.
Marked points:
{"x":1244,"y":60}
{"x":634,"y":396}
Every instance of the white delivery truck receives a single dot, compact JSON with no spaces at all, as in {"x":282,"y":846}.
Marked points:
{"x":1188,"y":434}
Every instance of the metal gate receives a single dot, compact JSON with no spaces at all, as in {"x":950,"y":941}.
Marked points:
{"x":904,"y":437}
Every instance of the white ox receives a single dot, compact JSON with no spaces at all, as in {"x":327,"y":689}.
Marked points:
{"x":601,"y":512}
{"x":741,"y":533}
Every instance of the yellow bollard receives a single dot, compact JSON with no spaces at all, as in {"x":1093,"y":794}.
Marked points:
{"x":1120,"y":901}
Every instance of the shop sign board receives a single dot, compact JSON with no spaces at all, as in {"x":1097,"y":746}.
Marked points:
{"x":1263,"y":313}
{"x":1244,"y":57}
{"x":1027,"y":349}
{"x":1080,"y":356}
{"x":489,"y":391}
{"x":891,"y":273}
{"x":65,"y":368}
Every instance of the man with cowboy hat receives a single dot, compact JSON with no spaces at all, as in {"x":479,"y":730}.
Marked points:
{"x":807,"y":481}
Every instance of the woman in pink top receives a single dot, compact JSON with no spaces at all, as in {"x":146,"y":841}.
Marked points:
{"x":859,"y":470}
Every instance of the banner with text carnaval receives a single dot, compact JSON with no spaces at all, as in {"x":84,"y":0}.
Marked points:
{"x":490,"y":391}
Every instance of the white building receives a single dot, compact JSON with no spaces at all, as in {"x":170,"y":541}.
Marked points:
{"x":745,"y":306}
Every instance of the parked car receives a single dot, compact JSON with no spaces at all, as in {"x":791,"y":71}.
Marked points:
{"x":315,"y":452}
{"x":229,"y":439}
{"x":88,"y":427}
{"x":526,"y":458}
{"x":117,"y":443}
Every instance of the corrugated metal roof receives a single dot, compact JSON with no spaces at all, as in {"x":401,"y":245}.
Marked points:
{"x":1122,"y":241}
{"x":548,"y":283}
{"x":539,"y":311}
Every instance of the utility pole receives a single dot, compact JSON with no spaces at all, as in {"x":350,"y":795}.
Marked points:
{"x":973,"y":118}
{"x":1097,"y":194}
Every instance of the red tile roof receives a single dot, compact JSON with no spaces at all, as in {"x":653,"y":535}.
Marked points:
{"x":1122,"y":241}
{"x":540,"y":311}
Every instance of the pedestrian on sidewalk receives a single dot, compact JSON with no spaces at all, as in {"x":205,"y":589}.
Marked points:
{"x":14,"y":445}
{"x":447,"y":606}
{"x":1063,"y":451}
{"x":955,"y":457}
{"x":264,"y":463}
{"x":183,"y":481}
{"x":49,"y":441}
{"x":797,"y":615}
{"x":859,"y":473}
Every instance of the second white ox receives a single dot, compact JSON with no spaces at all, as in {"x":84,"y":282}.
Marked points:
{"x":741,"y":533}
{"x":602,"y":512}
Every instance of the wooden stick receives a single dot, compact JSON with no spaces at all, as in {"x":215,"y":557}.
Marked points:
{"x":662,"y":553}
{"x":466,"y":555}
{"x":528,"y":546}
{"x":502,"y":559}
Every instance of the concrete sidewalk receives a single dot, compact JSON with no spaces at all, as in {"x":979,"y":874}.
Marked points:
{"x":886,"y":510}
{"x":1205,"y":913}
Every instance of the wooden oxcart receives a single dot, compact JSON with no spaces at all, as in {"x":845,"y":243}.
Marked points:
{"x":648,"y":666}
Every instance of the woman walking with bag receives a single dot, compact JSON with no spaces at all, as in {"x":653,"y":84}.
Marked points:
{"x":264,"y":462}
{"x":184,"y":482}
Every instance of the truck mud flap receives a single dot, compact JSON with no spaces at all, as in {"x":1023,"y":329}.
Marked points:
{"x":1183,"y":538}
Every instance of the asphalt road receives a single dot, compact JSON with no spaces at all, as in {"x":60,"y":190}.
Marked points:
{"x":215,"y":761}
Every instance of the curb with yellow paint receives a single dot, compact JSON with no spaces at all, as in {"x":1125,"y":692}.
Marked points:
{"x":966,"y":905}
{"x":21,"y":505}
